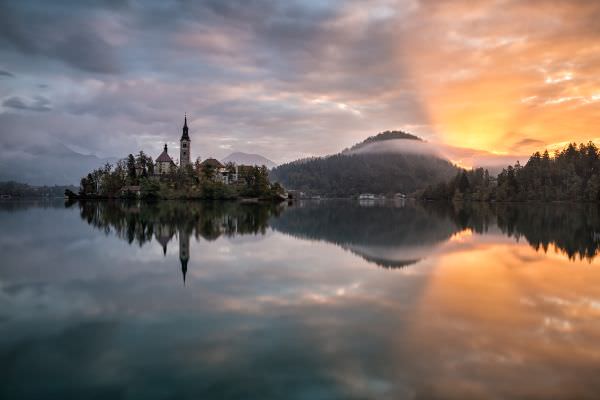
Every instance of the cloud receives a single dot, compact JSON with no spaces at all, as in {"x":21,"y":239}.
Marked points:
{"x":527,"y":144}
{"x":60,"y":33}
{"x":6,"y":74}
{"x":292,"y":79}
{"x":39,"y":103}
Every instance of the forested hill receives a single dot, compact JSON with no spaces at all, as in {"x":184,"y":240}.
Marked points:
{"x":367,"y":171}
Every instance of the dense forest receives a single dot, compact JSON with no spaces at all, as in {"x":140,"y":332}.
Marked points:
{"x":571,"y":174}
{"x":350,"y":173}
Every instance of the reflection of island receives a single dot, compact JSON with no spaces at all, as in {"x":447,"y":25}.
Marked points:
{"x":392,"y":236}
{"x":387,"y":234}
{"x":141,"y":222}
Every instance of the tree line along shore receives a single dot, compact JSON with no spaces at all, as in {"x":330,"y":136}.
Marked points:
{"x":570,"y":174}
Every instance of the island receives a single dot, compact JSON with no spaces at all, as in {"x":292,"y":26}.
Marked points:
{"x":141,"y":177}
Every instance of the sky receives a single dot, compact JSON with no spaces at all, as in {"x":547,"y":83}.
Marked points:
{"x":292,"y":79}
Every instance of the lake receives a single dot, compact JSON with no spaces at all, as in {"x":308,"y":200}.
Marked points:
{"x":315,"y":300}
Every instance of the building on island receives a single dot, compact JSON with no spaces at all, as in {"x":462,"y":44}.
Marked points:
{"x":212,"y":163}
{"x":185,"y":142}
{"x":164,"y":163}
{"x":131,"y":190}
{"x":227,"y":174}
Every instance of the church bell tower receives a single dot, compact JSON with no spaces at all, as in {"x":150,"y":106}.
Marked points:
{"x":184,"y":148}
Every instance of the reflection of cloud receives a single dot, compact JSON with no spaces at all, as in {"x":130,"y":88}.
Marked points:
{"x":501,"y":316}
{"x":484,"y":317}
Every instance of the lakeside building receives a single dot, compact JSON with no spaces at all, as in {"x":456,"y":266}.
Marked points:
{"x":226,"y":174}
{"x":164,"y":162}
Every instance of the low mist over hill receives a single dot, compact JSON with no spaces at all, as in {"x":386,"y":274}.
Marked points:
{"x":52,"y":164}
{"x":389,"y":162}
{"x":249,"y":159}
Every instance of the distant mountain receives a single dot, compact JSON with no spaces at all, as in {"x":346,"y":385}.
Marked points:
{"x":53,"y":164}
{"x":387,"y":163}
{"x":249,"y":159}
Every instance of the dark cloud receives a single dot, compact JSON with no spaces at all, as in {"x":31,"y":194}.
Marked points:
{"x":59,"y":33}
{"x":39,"y":103}
{"x":6,"y":74}
{"x":528,"y":143}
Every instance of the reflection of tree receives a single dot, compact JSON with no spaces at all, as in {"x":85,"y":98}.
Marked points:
{"x":395,"y":237}
{"x":573,"y":228}
{"x":390,"y":237}
{"x":141,"y":222}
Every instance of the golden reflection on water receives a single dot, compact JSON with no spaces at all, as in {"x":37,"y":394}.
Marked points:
{"x":504,"y":320}
{"x":331,"y":299}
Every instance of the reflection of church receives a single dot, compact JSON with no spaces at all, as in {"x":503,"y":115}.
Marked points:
{"x":184,"y":252}
{"x":164,"y":233}
{"x":146,"y":222}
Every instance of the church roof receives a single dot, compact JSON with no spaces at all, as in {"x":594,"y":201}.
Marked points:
{"x":212,"y":162}
{"x":185,"y":135}
{"x":163,"y":235}
{"x":164,"y":156}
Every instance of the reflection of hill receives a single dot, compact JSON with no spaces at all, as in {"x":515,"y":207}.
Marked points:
{"x":25,"y":204}
{"x":394,"y":237}
{"x":390,"y":237}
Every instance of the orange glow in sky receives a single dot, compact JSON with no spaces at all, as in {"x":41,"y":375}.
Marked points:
{"x":508,"y":76}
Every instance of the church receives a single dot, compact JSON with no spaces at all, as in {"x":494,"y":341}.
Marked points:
{"x":164,"y":162}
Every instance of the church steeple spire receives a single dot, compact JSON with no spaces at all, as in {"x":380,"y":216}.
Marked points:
{"x":185,"y":135}
{"x":185,"y":142}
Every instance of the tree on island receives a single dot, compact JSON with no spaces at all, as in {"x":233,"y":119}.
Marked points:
{"x":136,"y":174}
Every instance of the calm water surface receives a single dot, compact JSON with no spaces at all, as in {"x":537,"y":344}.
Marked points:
{"x":320,"y":300}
